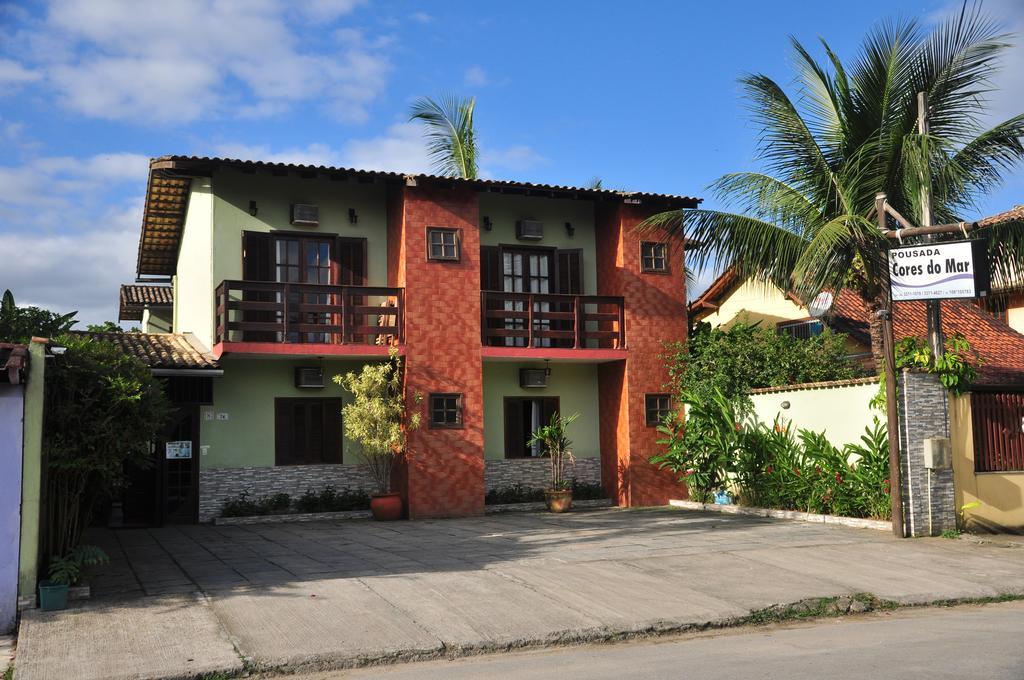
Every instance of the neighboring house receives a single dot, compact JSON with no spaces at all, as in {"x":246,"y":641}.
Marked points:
{"x":508,"y":301}
{"x":729,"y":300}
{"x":152,"y":305}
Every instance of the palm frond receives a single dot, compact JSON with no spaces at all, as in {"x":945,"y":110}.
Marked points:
{"x":451,"y":138}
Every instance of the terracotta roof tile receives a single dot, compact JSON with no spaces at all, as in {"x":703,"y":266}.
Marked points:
{"x":1001,"y":347}
{"x":135,"y":298}
{"x":159,"y":350}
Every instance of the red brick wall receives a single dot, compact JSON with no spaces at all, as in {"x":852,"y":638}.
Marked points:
{"x":445,"y":467}
{"x":655,"y":313}
{"x":396,"y":277}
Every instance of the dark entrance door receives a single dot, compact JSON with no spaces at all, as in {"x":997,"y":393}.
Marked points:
{"x":523,"y":415}
{"x":178,"y":466}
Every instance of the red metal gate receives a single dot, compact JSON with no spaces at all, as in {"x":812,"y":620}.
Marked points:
{"x":998,"y":420}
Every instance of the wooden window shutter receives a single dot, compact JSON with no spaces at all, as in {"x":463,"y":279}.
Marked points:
{"x":490,"y":268}
{"x":257,"y":256}
{"x":570,"y":272}
{"x":513,"y":428}
{"x":351,"y":258}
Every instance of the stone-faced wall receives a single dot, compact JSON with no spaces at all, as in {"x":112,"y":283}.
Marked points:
{"x":218,"y":485}
{"x":929,"y":506}
{"x":534,"y":473}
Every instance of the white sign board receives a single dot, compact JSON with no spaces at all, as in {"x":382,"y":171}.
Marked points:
{"x":178,"y":450}
{"x":938,"y":271}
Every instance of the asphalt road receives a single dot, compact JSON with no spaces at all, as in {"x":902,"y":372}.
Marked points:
{"x":933,"y":643}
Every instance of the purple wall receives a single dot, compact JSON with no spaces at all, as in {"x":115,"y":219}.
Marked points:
{"x":11,"y":414}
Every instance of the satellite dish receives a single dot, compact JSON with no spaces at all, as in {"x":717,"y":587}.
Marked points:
{"x":819,"y":306}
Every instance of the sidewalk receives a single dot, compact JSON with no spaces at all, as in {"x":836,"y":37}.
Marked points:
{"x":348,"y":594}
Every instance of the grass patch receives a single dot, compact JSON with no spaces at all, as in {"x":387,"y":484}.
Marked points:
{"x":816,"y":607}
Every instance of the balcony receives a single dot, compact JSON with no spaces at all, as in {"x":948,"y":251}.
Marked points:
{"x":535,"y":325}
{"x":303,"y":318}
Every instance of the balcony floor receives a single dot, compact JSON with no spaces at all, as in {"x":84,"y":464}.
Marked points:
{"x":561,"y":354}
{"x":301,"y":349}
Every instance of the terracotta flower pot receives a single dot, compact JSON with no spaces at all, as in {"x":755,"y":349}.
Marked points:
{"x":558,"y":500}
{"x":386,"y":507}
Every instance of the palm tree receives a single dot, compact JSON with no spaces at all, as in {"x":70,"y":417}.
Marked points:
{"x":451,"y":139}
{"x":806,"y":223}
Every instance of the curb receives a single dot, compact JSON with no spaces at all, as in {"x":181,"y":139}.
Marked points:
{"x":855,"y":522}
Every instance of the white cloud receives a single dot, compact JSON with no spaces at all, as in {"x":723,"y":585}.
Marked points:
{"x":314,"y":154}
{"x":13,"y":74}
{"x":400,"y":149}
{"x":72,"y":240}
{"x":188,"y":59}
{"x":421,"y":17}
{"x":475,"y":77}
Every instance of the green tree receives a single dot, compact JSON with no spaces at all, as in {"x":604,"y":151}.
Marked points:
{"x":806,"y":222}
{"x":377,"y":417}
{"x":19,"y":324}
{"x":451,"y":138}
{"x":103,"y":410}
{"x":731,"y":362}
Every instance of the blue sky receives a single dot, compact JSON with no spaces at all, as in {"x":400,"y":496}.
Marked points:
{"x":641,"y":94}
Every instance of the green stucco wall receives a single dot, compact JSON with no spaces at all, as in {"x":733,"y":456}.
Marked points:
{"x":218,"y":213}
{"x":246,"y":394}
{"x":157,"y":320}
{"x":505,"y":210}
{"x":574,"y":384}
{"x":32,"y":472}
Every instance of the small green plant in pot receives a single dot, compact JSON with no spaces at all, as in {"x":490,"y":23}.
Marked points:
{"x":65,"y":572}
{"x":378,"y":420}
{"x":556,"y":445}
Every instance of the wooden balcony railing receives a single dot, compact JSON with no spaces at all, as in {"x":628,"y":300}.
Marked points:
{"x":561,"y":321}
{"x":262,"y":311}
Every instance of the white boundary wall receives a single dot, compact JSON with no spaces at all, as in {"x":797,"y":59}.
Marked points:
{"x":840,"y":409}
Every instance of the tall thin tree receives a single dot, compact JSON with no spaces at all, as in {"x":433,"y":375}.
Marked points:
{"x":451,"y":139}
{"x":805,"y":222}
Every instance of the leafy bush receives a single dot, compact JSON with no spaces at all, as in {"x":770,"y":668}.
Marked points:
{"x":68,"y":570}
{"x":587,"y":491}
{"x":513,"y":493}
{"x":746,"y":356}
{"x":701,"y":451}
{"x":329,"y":499}
{"x":244,"y":506}
{"x":773,"y":467}
{"x":954,"y":367}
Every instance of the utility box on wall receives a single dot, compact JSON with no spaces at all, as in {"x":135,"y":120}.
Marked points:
{"x":938,"y":453}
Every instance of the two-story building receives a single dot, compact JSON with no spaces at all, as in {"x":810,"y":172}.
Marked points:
{"x":508,"y":300}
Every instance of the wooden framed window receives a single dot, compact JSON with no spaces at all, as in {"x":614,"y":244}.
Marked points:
{"x":654,"y":257}
{"x":443,"y":244}
{"x":307,"y":431}
{"x":657,"y":407}
{"x":446,"y":410}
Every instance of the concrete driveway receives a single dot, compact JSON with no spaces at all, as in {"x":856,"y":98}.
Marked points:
{"x":335,"y":594}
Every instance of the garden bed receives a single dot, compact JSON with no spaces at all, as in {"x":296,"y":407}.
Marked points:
{"x":857,"y":522}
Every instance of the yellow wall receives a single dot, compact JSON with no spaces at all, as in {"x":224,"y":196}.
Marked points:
{"x":1015,"y":318}
{"x":1001,"y":494}
{"x":193,"y":281}
{"x":752,"y":302}
{"x":841,"y":412}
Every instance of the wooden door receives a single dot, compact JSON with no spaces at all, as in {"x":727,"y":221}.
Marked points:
{"x":179,"y":474}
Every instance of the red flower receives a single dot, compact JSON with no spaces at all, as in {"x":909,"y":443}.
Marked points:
{"x":839,"y":478}
{"x":687,"y":473}
{"x":797,"y":471}
{"x":768,"y":469}
{"x":737,"y":427}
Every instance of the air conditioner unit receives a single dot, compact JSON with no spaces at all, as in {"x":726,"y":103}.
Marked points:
{"x":529,"y":230}
{"x":533,"y":377}
{"x":305,"y":215}
{"x":309,"y":377}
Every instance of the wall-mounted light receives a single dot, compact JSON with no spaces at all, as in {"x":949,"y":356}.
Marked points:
{"x":569,"y":229}
{"x":488,"y":225}
{"x":785,"y":405}
{"x":352,"y":216}
{"x":253,"y":209}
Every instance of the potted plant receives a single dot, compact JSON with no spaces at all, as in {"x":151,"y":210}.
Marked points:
{"x":378,"y":420}
{"x":556,"y":446}
{"x":65,"y":572}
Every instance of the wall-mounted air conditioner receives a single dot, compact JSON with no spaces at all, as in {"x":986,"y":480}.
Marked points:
{"x":309,"y":377}
{"x":533,"y":377}
{"x":529,"y":230}
{"x":305,"y":215}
